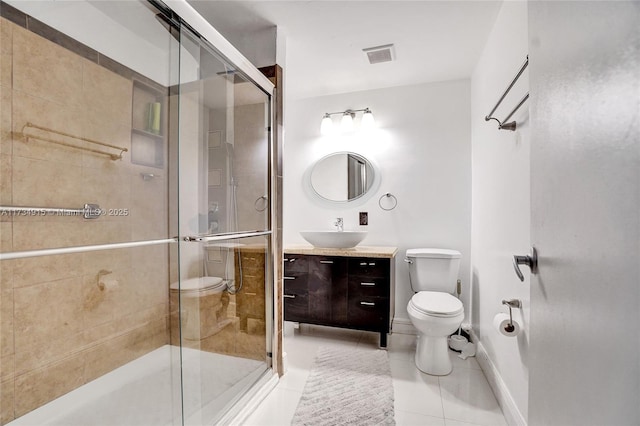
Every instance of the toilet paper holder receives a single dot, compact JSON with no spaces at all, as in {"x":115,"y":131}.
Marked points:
{"x":511,"y":303}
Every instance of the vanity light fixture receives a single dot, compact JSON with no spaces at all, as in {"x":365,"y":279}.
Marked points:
{"x":346,"y":123}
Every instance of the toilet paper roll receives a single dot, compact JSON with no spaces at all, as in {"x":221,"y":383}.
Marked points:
{"x":501,"y":322}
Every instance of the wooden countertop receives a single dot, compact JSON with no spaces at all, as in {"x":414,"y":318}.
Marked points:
{"x":358,"y":251}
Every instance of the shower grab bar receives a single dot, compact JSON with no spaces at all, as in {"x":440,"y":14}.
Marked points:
{"x":82,"y":249}
{"x":503,"y":125}
{"x":227,"y":236}
{"x":70,"y":145}
{"x":89,"y":211}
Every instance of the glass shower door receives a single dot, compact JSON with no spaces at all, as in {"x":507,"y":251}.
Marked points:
{"x":220,"y":314}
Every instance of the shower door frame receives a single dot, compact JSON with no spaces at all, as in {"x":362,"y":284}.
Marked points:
{"x":180,"y":13}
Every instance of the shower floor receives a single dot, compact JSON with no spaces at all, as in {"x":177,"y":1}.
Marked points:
{"x":147,"y":391}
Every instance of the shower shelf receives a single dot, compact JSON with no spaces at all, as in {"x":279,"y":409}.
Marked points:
{"x":42,"y":138}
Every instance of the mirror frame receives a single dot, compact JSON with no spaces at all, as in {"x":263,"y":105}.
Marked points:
{"x":346,"y":203}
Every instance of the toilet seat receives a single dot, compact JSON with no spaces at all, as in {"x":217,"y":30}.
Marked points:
{"x":199,"y":286}
{"x":436,"y":304}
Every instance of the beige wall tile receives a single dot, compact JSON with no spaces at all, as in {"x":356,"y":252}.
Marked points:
{"x":32,"y":234}
{"x":95,"y":261}
{"x":45,"y":310}
{"x":6,"y":401}
{"x":6,"y":322}
{"x":100,"y":231}
{"x":36,"y":270}
{"x":7,"y":366}
{"x":49,"y":351}
{"x":41,"y":386}
{"x":101,"y":305}
{"x":50,"y":114}
{"x":35,"y":57}
{"x":6,"y":52}
{"x":6,"y":31}
{"x":5,"y":179}
{"x":46,"y":183}
{"x":122,"y":349}
{"x":106,"y":96}
{"x":6,"y":123}
{"x":6,"y":237}
{"x":109,"y":190}
{"x":6,"y":274}
{"x":148,"y":207}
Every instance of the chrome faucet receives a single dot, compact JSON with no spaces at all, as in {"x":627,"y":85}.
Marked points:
{"x":339,"y":224}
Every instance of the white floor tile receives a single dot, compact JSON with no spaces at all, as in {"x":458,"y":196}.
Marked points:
{"x":402,"y":346}
{"x":277,"y":409}
{"x":415,"y":391}
{"x":449,"y":422}
{"x":462,"y":398}
{"x":295,"y":378}
{"x":406,"y":418}
{"x":470,"y":362}
{"x":467,"y":397}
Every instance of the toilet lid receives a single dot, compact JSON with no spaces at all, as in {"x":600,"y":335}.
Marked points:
{"x":437,"y":303}
{"x":197,"y":284}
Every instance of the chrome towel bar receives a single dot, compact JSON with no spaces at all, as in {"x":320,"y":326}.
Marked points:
{"x":43,"y":138}
{"x":504,"y":125}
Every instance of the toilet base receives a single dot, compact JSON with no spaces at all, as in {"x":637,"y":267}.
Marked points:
{"x":432,"y":355}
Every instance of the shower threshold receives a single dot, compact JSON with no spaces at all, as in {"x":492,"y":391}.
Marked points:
{"x":147,"y":392}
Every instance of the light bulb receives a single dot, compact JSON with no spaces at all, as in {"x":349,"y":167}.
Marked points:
{"x":368,"y":122}
{"x":326,"y":126}
{"x":346,"y":125}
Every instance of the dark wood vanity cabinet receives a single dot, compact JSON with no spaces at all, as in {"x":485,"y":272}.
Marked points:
{"x":348,"y":292}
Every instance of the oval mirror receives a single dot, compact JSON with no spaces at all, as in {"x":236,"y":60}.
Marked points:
{"x":342,"y":176}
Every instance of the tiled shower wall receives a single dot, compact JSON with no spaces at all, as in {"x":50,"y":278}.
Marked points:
{"x":59,"y":328}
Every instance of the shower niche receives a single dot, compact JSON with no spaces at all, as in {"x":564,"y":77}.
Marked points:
{"x":148,"y":125}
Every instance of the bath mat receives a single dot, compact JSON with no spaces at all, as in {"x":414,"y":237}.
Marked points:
{"x":347,"y":387}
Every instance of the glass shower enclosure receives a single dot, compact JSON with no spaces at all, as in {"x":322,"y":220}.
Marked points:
{"x":135,"y":218}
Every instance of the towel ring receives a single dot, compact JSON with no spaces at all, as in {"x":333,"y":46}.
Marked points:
{"x":266,"y":204}
{"x":388,"y":195}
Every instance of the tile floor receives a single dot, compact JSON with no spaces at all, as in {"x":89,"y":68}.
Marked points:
{"x":463,"y":398}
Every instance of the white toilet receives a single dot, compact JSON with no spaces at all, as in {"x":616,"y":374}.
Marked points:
{"x":203,"y":301}
{"x":433,"y":310}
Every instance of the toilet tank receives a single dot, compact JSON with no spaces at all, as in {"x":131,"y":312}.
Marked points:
{"x":433,"y":269}
{"x":216,"y":260}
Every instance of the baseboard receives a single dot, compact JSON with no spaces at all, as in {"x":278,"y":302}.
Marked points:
{"x":512,"y":414}
{"x":403,"y":326}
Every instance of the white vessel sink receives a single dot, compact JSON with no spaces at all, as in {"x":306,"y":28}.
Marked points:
{"x":334,"y":239}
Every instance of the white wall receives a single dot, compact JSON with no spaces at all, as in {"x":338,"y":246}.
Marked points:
{"x":422,"y":150}
{"x":501,"y":206}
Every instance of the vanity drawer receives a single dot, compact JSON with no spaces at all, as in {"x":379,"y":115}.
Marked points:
{"x":296,"y":307}
{"x":296,"y":283}
{"x":369,"y":267}
{"x":362,"y":286}
{"x":368,"y":313}
{"x":295,"y":263}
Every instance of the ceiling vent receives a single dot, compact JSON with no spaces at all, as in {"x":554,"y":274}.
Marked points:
{"x":380,"y":54}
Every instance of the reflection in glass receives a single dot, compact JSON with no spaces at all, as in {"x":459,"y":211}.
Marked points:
{"x":342,"y":176}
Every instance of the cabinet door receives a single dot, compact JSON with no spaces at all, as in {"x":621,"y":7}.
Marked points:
{"x":296,"y":298}
{"x":327,"y":289}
